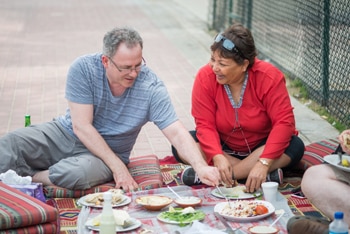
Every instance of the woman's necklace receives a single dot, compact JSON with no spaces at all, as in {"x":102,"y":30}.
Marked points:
{"x":229,"y":94}
{"x":235,"y":106}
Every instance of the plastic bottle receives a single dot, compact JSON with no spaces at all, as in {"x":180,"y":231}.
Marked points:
{"x":107,"y":223}
{"x":338,"y":226}
{"x":27,"y":121}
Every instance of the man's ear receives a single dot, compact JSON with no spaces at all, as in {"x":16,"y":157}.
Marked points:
{"x":104,"y":61}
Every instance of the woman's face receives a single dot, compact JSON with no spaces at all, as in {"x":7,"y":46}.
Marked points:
{"x":227,"y":71}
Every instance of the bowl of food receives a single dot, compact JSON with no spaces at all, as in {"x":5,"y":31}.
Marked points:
{"x":188,"y":201}
{"x":154,"y":202}
{"x":261,"y":229}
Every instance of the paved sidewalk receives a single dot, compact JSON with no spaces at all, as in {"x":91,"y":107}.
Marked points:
{"x":39,"y":39}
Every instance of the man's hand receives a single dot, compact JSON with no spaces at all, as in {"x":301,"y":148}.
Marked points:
{"x":82,"y":117}
{"x":208,"y":175}
{"x":124,"y":180}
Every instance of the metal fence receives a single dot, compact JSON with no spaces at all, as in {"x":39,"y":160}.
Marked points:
{"x":308,"y":40}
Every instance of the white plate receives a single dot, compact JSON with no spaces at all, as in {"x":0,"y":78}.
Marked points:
{"x":235,"y":193}
{"x":174,"y":222}
{"x":125,"y":200}
{"x":136,"y":224}
{"x":220,"y":206}
{"x":333,"y":159}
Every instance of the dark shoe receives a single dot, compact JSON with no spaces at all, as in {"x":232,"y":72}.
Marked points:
{"x":307,"y":224}
{"x":276,"y":176}
{"x":189,"y":177}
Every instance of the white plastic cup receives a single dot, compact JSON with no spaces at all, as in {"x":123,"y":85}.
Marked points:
{"x":270,"y":190}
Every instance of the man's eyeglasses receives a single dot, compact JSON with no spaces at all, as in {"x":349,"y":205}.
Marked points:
{"x":228,"y":44}
{"x":128,"y":69}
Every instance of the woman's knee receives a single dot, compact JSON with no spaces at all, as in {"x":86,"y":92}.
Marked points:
{"x":295,"y":151}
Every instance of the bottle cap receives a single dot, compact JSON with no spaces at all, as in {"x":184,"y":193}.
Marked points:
{"x":107,"y":195}
{"x":338,"y":215}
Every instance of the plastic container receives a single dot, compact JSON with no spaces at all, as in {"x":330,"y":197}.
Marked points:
{"x":107,"y":223}
{"x":188,"y":201}
{"x":338,"y":226}
{"x":260,"y":229}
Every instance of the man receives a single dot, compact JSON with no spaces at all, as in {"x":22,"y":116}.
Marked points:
{"x":110,"y":97}
{"x":326,"y":187}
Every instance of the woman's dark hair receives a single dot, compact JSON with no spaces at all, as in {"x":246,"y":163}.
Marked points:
{"x":244,"y":42}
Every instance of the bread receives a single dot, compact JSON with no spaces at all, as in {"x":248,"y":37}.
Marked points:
{"x":121,"y":217}
{"x":346,"y":140}
{"x":97,"y":198}
{"x":153,"y":200}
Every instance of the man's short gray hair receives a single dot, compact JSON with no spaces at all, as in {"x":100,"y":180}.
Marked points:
{"x":116,"y":36}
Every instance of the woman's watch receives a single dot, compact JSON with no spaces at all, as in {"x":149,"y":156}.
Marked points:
{"x":264,"y":162}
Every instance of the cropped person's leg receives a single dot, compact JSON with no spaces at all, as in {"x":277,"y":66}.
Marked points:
{"x":326,"y":188}
{"x":35,"y":148}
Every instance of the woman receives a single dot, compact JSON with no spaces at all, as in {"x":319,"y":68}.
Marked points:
{"x":244,"y":119}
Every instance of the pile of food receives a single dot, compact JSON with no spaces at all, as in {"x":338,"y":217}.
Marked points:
{"x":97,"y":198}
{"x":182,"y":216}
{"x":235,"y":191}
{"x":244,"y":209}
{"x":346,"y":140}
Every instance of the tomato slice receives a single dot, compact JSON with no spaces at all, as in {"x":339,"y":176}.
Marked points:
{"x":261,"y":209}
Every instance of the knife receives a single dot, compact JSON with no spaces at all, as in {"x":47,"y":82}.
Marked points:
{"x":229,"y":230}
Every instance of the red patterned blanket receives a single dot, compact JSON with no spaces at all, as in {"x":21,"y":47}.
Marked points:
{"x":69,"y":210}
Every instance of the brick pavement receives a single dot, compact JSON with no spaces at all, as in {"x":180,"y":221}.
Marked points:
{"x":39,"y":39}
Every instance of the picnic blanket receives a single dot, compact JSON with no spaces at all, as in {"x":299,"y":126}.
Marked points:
{"x":171,"y":171}
{"x":150,"y":221}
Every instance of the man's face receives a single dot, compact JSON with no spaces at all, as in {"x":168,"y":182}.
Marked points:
{"x":123,"y":68}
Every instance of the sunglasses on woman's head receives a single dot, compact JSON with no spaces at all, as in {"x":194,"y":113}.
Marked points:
{"x":227,"y":44}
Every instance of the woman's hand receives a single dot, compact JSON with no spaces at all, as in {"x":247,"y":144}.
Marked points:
{"x":256,"y":177}
{"x":225,"y":169}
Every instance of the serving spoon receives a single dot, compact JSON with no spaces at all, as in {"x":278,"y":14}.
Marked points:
{"x":278,"y":218}
{"x":175,"y":192}
{"x":222,"y":194}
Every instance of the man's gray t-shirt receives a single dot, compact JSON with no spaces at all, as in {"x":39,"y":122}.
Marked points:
{"x":118,"y":119}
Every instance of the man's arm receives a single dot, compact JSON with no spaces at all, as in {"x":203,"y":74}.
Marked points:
{"x":188,"y":149}
{"x":82,"y":117}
